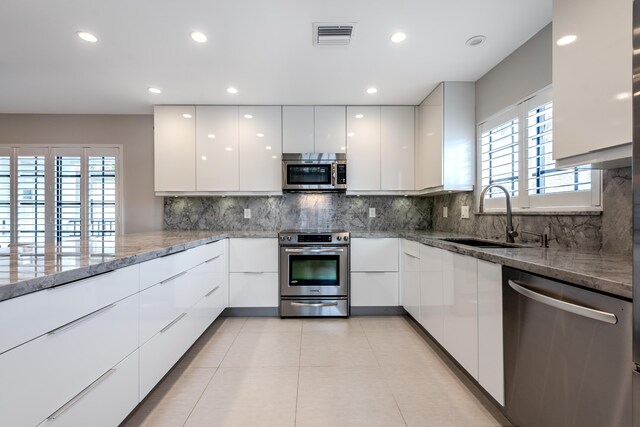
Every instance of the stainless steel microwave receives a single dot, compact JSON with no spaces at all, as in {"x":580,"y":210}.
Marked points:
{"x":314,"y":172}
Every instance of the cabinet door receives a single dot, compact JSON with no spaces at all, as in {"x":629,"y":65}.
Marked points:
{"x":253,"y":255}
{"x":374,"y":254}
{"x":490,"y":354}
{"x":253,"y":290}
{"x":174,"y":148}
{"x":217,"y":148}
{"x":432,"y":273}
{"x":330,"y":129}
{"x":430,"y":136}
{"x":297,"y":129}
{"x":461,"y":313}
{"x":397,"y":148}
{"x":592,"y":81}
{"x":363,"y":146}
{"x":374,"y":289}
{"x":410,"y":277}
{"x":260,"y":149}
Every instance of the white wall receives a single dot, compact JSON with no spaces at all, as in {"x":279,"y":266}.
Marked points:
{"x":525,"y":71}
{"x":143,"y":211}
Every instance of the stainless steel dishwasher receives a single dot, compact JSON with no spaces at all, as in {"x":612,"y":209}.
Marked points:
{"x":567,"y":354}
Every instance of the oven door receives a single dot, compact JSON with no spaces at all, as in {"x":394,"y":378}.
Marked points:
{"x":314,"y":271}
{"x":308,"y":176}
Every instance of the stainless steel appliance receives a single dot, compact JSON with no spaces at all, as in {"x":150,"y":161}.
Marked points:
{"x":314,"y":274}
{"x":314,"y":172}
{"x":567,"y":354}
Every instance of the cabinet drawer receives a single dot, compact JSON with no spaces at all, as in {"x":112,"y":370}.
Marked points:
{"x":374,"y":289}
{"x":410,"y":247}
{"x":432,"y":259}
{"x":206,"y":310}
{"x":47,"y":372}
{"x":106,"y":402}
{"x":374,"y":254}
{"x":253,"y":290}
{"x":207,"y":252}
{"x":27,"y":317}
{"x":253,"y":255}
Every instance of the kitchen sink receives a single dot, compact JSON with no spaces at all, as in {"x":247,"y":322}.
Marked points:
{"x":478,"y":243}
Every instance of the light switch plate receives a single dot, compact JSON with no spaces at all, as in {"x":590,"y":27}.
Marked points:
{"x":247,"y":213}
{"x":372,"y":212}
{"x":464,"y":212}
{"x":445,"y":212}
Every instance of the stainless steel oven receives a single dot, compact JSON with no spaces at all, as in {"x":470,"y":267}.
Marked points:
{"x":314,"y":274}
{"x":314,"y":172}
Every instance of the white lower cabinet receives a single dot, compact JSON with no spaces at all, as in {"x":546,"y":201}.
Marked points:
{"x":432,"y":273}
{"x":490,"y":350}
{"x":410,"y":277}
{"x":374,"y":289}
{"x":253,"y":289}
{"x":106,"y":402}
{"x":374,"y":272}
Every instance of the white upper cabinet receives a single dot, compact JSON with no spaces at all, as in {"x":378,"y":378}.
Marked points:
{"x":307,"y":129}
{"x":363,"y":148}
{"x":592,"y":86}
{"x":260,"y":148}
{"x":330,"y":129}
{"x":397,"y":148}
{"x":174,"y":148}
{"x":445,"y":154}
{"x":217,"y":148}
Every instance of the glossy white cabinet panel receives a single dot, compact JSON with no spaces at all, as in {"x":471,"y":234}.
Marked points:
{"x":253,"y":290}
{"x":217,"y":148}
{"x":397,"y":148}
{"x":253,"y":255}
{"x":592,"y":93}
{"x":298,"y":129}
{"x":374,"y":289}
{"x":46,"y":373}
{"x":205,"y":311}
{"x":260,"y":148}
{"x":30,"y":316}
{"x":374,"y":254}
{"x":429,"y":145}
{"x":330,"y":129}
{"x":461,"y":313}
{"x":107,"y":402}
{"x":363,"y":147}
{"x":490,"y":350}
{"x":410,"y":277}
{"x":156,"y":270}
{"x":174,"y":148}
{"x":433,"y":263}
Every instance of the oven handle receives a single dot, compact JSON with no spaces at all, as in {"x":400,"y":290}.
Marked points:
{"x":315,"y":304}
{"x":313,"y":251}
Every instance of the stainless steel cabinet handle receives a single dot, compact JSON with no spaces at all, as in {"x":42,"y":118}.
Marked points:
{"x":313,"y":251}
{"x":214,"y":258}
{"x":253,"y":272}
{"x":580,"y":310}
{"x":411,"y":255}
{"x":173,"y":277}
{"x":64,"y":408}
{"x":173,"y":322}
{"x":212,"y":291}
{"x":315,"y":304}
{"x":81,"y":319}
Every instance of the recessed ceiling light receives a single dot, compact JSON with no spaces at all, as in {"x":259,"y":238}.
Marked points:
{"x":372,"y":90}
{"x":268,"y":147}
{"x":211,"y":136}
{"x":359,"y":116}
{"x":88,"y":37}
{"x":154,"y":90}
{"x":259,"y":135}
{"x":565,"y":40}
{"x":398,"y":37}
{"x":198,"y":37}
{"x":204,"y":157}
{"x":476,"y":41}
{"x":232,"y":90}
{"x":186,"y":116}
{"x":229,"y":149}
{"x":248,"y":116}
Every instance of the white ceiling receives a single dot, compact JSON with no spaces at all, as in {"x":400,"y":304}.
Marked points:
{"x":262,"y":47}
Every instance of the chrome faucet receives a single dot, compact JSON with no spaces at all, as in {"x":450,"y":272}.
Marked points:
{"x":511,"y":233}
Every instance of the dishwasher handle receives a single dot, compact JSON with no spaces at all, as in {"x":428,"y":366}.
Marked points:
{"x":580,"y":310}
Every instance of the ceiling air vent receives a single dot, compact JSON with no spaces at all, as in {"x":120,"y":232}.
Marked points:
{"x":332,"y":34}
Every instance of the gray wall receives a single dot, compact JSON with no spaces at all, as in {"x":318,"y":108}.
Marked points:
{"x":523,"y":72}
{"x":142,"y":209}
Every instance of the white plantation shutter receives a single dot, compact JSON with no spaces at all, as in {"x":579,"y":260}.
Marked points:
{"x":500,"y":152}
{"x":68,"y":196}
{"x":5,"y":199}
{"x":102,"y":195}
{"x":31,"y":194}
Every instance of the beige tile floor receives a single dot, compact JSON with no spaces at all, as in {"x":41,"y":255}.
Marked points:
{"x":361,"y":371}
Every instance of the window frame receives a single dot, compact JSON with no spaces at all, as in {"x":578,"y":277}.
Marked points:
{"x":555,"y":202}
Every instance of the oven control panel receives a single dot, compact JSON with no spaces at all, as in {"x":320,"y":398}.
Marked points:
{"x":311,"y":238}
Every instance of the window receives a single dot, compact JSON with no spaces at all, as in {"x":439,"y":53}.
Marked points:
{"x":516,"y":149}
{"x":58,"y":193}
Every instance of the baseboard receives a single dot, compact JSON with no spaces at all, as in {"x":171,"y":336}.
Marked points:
{"x":378,"y":311}
{"x":250,"y":312}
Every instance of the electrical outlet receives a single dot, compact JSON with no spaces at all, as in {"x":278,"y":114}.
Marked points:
{"x":445,"y":212}
{"x":372,"y":212}
{"x":464,"y":212}
{"x":247,"y":213}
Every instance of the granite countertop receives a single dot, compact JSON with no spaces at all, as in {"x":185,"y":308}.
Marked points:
{"x":27,"y":268}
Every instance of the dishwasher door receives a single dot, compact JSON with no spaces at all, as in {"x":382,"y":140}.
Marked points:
{"x":567,"y":358}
